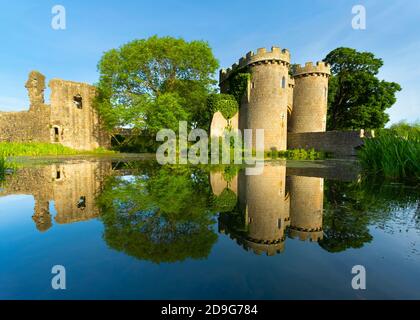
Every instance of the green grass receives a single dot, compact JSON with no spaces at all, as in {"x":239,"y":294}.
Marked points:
{"x":14,"y":149}
{"x":392,"y":156}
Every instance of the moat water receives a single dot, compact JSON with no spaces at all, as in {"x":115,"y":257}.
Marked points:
{"x":137,"y":230}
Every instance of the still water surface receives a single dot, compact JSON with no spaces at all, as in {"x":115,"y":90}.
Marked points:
{"x":137,"y":230}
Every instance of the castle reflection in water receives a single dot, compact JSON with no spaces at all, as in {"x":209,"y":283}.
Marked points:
{"x":267,"y":205}
{"x":72,"y":187}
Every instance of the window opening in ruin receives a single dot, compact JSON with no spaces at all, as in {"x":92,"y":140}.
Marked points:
{"x":56,"y":134}
{"x":279,"y":223}
{"x":283,"y":82}
{"x":78,"y":101}
{"x":58,"y":175}
{"x":252,"y":85}
{"x":82,"y":203}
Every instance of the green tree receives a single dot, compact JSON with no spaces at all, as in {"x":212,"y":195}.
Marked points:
{"x":135,"y":76}
{"x":405,"y":129}
{"x":357,"y":98}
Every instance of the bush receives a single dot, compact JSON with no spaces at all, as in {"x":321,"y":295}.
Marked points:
{"x":225,"y":103}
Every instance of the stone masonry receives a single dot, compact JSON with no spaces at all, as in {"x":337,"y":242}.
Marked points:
{"x":70,"y":119}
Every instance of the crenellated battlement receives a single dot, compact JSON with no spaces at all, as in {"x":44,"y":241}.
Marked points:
{"x":275,"y":56}
{"x":313,"y":235}
{"x":267,"y":247}
{"x":320,"y":68}
{"x":258,"y":246}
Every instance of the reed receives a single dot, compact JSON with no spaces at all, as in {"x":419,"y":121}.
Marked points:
{"x":392,"y":156}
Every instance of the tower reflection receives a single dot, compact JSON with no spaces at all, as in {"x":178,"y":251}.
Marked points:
{"x":271,"y":206}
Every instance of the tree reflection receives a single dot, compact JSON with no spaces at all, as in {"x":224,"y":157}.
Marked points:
{"x":352,"y":208}
{"x":160,"y":215}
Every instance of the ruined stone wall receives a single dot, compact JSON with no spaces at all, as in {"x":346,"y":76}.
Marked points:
{"x":73,"y":116}
{"x":340,"y":143}
{"x":26,"y":126}
{"x":310,"y":98}
{"x":70,"y":120}
{"x":32,"y":125}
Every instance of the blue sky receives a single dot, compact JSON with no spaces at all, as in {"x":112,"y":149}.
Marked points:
{"x":308,"y":28}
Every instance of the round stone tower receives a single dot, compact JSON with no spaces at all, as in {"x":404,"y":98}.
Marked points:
{"x":306,"y":207}
{"x":265,"y":104}
{"x":310,"y":97}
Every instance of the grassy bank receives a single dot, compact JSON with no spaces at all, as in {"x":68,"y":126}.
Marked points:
{"x":392,"y":156}
{"x":13,"y":149}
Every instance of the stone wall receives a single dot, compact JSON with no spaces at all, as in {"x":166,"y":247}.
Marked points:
{"x":70,"y":120}
{"x":74,"y":117}
{"x":26,"y":126}
{"x":340,"y":143}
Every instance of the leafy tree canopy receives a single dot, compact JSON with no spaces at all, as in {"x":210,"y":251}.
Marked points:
{"x":134,"y":77}
{"x":357,"y":99}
